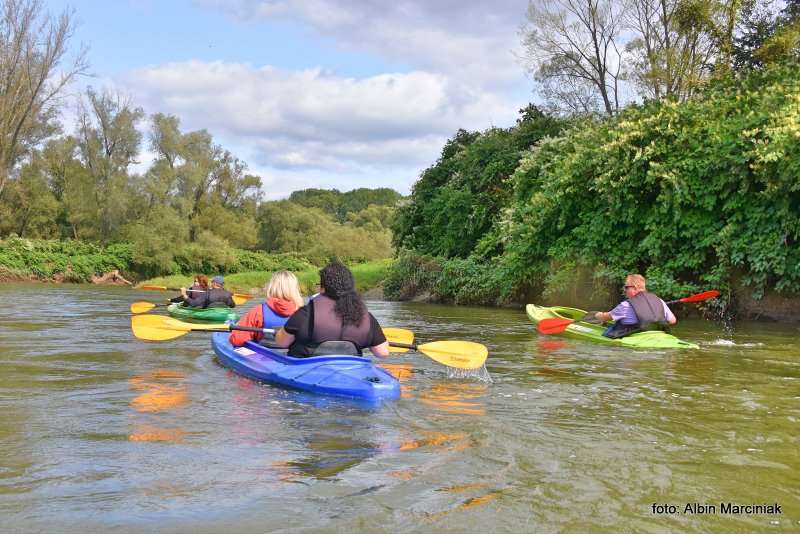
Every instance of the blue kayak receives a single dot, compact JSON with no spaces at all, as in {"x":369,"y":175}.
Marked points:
{"x":344,"y":376}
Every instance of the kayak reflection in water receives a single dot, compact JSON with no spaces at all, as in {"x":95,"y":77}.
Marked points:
{"x":335,"y":322}
{"x":282,"y":300}
{"x":640,"y":311}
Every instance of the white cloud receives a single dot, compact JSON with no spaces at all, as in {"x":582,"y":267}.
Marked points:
{"x":470,"y":40}
{"x":318,"y":128}
{"x":315,"y":121}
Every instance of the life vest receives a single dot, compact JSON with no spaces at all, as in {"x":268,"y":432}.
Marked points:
{"x":272,"y":319}
{"x":327,"y":327}
{"x":649,"y":311}
{"x":216,"y":297}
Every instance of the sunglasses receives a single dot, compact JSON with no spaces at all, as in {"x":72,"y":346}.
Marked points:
{"x":628,"y":287}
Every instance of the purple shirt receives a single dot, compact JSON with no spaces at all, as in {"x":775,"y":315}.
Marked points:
{"x":623,"y":313}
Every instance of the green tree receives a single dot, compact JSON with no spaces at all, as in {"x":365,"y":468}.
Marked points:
{"x":29,"y":207}
{"x":574,"y":50}
{"x":202,"y":181}
{"x":456,"y":202}
{"x":316,"y":235}
{"x":341,"y":205}
{"x":34,"y":74}
{"x":108,"y":143}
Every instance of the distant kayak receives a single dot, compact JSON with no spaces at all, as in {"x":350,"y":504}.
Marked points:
{"x":655,"y":339}
{"x":203,"y":314}
{"x":343,"y":376}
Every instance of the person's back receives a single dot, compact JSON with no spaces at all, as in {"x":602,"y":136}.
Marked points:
{"x":198,"y":289}
{"x":282,"y":300}
{"x":640,"y":311}
{"x":215,"y":297}
{"x":323,"y":326}
{"x":335,"y":322}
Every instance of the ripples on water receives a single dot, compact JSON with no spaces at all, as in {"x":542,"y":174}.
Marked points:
{"x":100,"y":431}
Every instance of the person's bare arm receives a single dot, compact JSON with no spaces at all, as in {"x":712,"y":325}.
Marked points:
{"x":381,"y":350}
{"x":283,"y":338}
{"x":603,"y":316}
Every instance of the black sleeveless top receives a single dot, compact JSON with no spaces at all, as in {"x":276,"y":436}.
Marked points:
{"x":317,"y":323}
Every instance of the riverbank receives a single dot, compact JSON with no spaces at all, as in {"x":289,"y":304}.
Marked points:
{"x":369,"y":279}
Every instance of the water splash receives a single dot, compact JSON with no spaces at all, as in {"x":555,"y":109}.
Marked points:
{"x":481,"y":374}
{"x":732,"y":343}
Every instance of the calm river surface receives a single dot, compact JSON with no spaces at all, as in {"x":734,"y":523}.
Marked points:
{"x":100,"y":431}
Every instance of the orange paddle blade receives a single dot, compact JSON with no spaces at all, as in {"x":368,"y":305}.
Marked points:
{"x":701,"y":296}
{"x":553,"y":325}
{"x":153,"y":288}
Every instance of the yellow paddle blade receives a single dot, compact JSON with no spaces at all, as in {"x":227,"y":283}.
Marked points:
{"x":460,"y":354}
{"x":156,"y":328}
{"x":399,"y":335}
{"x":240,"y":299}
{"x":175,"y":323}
{"x":141,"y":307}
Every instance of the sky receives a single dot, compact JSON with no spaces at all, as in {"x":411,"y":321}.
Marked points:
{"x":313,"y":93}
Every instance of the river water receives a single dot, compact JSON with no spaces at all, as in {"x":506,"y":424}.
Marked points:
{"x":100,"y":431}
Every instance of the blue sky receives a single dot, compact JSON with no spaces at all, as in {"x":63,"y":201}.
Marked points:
{"x":314,"y":93}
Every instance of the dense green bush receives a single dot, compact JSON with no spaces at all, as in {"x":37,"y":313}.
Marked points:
{"x":458,"y":200}
{"x":456,"y":280}
{"x":688,"y":194}
{"x":468,"y":281}
{"x":248,"y":260}
{"x":411,"y":275}
{"x":75,"y":260}
{"x":78,"y":261}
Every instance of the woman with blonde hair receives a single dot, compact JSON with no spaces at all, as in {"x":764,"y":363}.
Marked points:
{"x":283,"y":299}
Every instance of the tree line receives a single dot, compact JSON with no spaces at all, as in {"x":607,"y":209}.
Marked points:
{"x":596,"y":56}
{"x":694,"y":188}
{"x":195,"y":198}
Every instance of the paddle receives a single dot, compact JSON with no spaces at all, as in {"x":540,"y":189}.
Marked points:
{"x":460,"y":354}
{"x":142,"y":306}
{"x":697,"y":297}
{"x":556,"y":325}
{"x":160,"y":328}
{"x":238,"y":298}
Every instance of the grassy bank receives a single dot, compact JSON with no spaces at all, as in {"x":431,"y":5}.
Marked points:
{"x":368,"y":275}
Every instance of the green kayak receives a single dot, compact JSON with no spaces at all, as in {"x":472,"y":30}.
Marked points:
{"x":203,"y":314}
{"x":594,"y":332}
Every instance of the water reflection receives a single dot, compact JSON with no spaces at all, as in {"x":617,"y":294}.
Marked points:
{"x":456,"y":398}
{"x":328,"y":452}
{"x":531,"y":452}
{"x":450,"y":441}
{"x":402,"y":372}
{"x":142,"y":432}
{"x":161,"y":390}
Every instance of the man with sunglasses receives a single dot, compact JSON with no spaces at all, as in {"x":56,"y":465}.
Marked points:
{"x":641,"y":310}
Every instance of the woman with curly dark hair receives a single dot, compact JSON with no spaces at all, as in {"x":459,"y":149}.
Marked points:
{"x":335,"y":322}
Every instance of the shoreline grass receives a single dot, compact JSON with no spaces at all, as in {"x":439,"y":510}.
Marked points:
{"x":367,"y":276}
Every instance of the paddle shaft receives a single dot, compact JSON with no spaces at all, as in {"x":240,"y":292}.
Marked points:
{"x":556,"y":325}
{"x":164,"y":288}
{"x":698,"y":297}
{"x":411,"y":346}
{"x":237,"y":327}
